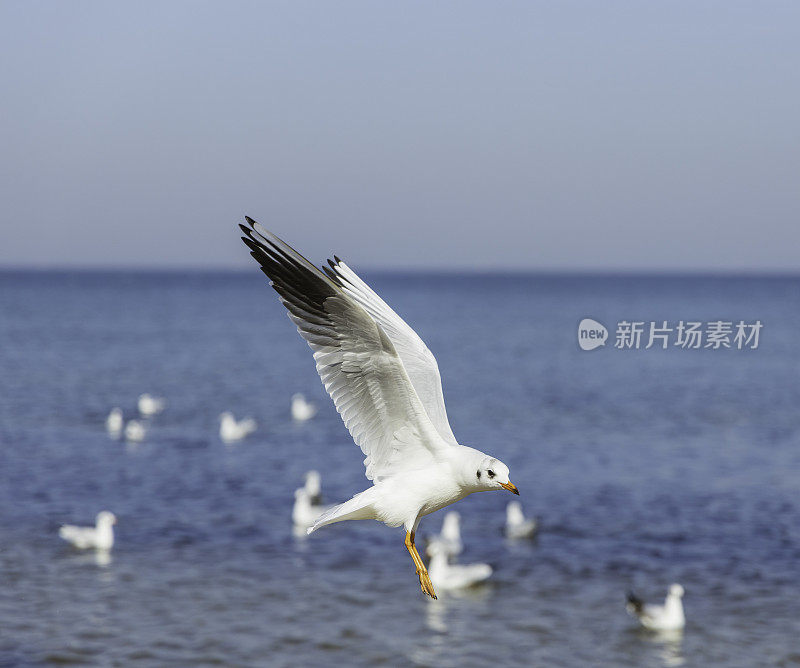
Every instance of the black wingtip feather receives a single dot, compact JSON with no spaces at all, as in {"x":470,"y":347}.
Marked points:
{"x":635,"y":602}
{"x":302,"y":286}
{"x":252,"y":245}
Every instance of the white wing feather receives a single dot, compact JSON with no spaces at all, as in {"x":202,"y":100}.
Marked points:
{"x":418,"y":360}
{"x":80,"y":537}
{"x":357,"y":362}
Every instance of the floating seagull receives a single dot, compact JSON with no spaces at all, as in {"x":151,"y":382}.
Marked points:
{"x":230,"y":430}
{"x":313,"y":487}
{"x":449,"y":539}
{"x":99,"y":537}
{"x":149,"y":405}
{"x":667,"y":617}
{"x":385,"y":383}
{"x":302,"y":410}
{"x":454,"y":576}
{"x":114,"y":422}
{"x":135,"y":431}
{"x":517,"y":525}
{"x":304,"y":512}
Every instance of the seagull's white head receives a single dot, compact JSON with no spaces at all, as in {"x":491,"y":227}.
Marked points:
{"x":676,"y":590}
{"x":106,"y":517}
{"x":493,"y":474}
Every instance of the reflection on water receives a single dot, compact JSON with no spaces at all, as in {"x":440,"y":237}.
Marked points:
{"x":669,"y":644}
{"x":300,"y":533}
{"x":434,"y":650}
{"x":435,"y":615}
{"x":100,"y":558}
{"x":453,"y":600}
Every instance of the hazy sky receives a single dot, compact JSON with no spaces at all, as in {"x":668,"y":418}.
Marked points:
{"x":557,"y":135}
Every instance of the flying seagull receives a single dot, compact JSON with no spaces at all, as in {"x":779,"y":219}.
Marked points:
{"x":385,"y":384}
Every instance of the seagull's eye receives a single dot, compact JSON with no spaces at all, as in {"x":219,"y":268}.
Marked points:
{"x":491,"y":473}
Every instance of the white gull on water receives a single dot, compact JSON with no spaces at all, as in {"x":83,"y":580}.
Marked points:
{"x":448,"y":539}
{"x":302,"y":409}
{"x":445,"y":575}
{"x":231,"y":430}
{"x":666,"y":617}
{"x":305,"y":512}
{"x":149,"y":405}
{"x":114,"y":422}
{"x":135,"y":431}
{"x":517,"y":525}
{"x":385,"y":384}
{"x":99,"y":537}
{"x":313,"y":486}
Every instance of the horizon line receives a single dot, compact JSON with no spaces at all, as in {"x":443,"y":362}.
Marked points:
{"x":427,"y":271}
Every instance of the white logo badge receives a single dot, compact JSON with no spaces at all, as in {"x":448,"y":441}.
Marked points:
{"x":591,"y":334}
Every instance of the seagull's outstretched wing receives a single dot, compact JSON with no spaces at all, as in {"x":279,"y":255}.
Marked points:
{"x":419,"y":362}
{"x":356,"y":360}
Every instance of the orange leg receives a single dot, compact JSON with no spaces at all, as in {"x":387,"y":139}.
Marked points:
{"x":424,"y":580}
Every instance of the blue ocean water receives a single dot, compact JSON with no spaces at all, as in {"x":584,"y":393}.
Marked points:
{"x":646,"y":467}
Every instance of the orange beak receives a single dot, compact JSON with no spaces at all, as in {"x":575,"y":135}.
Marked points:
{"x":510,"y":486}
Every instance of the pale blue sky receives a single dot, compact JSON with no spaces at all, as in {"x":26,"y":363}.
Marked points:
{"x":522,"y":135}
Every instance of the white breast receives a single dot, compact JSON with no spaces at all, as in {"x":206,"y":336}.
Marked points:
{"x":405,"y":496}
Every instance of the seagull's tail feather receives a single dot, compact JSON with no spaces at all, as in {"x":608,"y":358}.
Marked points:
{"x":75,"y":535}
{"x":69,"y":532}
{"x":357,"y":508}
{"x":635,"y":605}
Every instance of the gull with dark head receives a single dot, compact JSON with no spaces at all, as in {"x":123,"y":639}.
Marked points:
{"x":385,"y":384}
{"x":313,"y":486}
{"x":655,"y":617}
